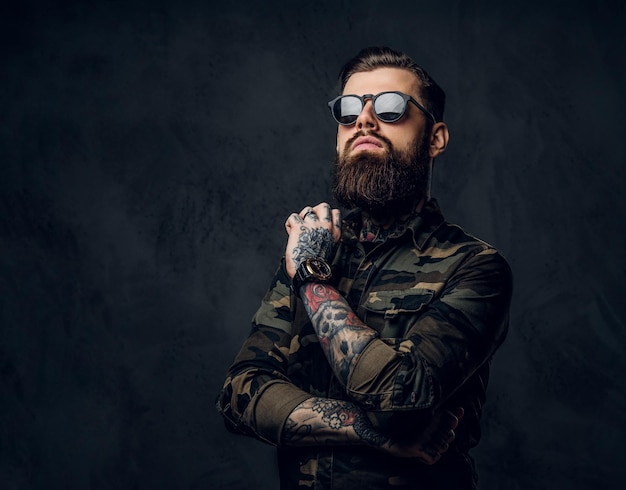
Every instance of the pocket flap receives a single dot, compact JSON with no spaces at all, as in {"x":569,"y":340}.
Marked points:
{"x":393,"y":302}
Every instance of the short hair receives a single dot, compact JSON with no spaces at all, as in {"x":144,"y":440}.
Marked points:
{"x":368,"y":59}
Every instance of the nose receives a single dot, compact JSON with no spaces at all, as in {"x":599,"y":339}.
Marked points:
{"x":367,"y":118}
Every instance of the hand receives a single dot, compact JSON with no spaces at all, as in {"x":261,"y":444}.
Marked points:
{"x":431,"y":443}
{"x":313,"y":232}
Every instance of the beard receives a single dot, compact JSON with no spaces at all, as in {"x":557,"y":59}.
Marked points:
{"x":385,"y":186}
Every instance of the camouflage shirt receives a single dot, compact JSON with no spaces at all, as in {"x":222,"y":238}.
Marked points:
{"x":439,"y":299}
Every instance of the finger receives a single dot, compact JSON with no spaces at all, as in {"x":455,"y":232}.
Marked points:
{"x":447,"y":438}
{"x":322,"y":210}
{"x":451,"y":437}
{"x":458,"y":412}
{"x":440,"y":448}
{"x":305,"y":211}
{"x":292,"y":220}
{"x":452,"y":418}
{"x":311,"y":215}
{"x":430,"y":456}
{"x":441,"y":444}
{"x":442,"y":440}
{"x":336,"y":214}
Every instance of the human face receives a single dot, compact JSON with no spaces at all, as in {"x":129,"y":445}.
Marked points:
{"x":363,"y":136}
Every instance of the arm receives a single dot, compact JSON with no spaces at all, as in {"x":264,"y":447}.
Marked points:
{"x":342,"y":335}
{"x":444,"y":345}
{"x":259,"y":400}
{"x":451,"y":339}
{"x":257,"y":395}
{"x":322,"y":422}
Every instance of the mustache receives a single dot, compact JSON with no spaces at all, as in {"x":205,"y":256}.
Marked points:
{"x":385,"y":141}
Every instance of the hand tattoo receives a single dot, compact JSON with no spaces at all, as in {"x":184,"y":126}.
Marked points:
{"x":316,"y":242}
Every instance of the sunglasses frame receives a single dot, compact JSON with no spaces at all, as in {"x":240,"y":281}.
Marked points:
{"x":363,"y":99}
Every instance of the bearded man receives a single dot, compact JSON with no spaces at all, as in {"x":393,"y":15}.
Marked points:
{"x":368,"y":359}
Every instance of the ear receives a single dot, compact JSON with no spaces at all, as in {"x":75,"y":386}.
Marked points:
{"x":439,"y":137}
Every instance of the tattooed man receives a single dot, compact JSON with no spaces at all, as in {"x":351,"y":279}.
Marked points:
{"x":368,"y":359}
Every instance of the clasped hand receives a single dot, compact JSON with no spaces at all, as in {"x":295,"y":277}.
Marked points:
{"x":433,"y":442}
{"x":314,"y":232}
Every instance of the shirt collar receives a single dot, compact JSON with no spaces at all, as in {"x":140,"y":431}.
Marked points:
{"x":421,"y":225}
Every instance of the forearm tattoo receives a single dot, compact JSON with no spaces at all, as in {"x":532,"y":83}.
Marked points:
{"x":342,"y":335}
{"x":316,"y":242}
{"x":327,"y":421}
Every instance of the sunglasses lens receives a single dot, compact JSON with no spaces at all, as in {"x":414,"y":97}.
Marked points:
{"x":389,"y":106}
{"x":347,"y":109}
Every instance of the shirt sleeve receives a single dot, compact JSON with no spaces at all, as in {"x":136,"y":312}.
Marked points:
{"x":257,"y":396}
{"x":445,"y":344}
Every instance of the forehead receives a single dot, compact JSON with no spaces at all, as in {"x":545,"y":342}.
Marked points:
{"x":382,"y":80}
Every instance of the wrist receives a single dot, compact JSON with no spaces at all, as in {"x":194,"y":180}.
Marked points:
{"x":313,"y":269}
{"x":367,"y":434}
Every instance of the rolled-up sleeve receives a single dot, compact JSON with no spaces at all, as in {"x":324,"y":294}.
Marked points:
{"x":257,"y":397}
{"x":448,"y":341}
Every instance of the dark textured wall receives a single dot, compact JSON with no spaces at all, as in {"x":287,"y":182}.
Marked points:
{"x":150,"y":152}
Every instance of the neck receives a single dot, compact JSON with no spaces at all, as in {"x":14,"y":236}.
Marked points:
{"x":378,"y":226}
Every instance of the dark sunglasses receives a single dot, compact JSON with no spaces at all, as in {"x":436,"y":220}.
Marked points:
{"x":389,"y":107}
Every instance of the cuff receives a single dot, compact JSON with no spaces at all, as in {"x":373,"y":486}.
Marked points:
{"x":274,"y":402}
{"x":368,"y":384}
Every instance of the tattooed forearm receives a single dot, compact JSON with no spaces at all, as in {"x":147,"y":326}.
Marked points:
{"x":316,"y":242}
{"x":326,"y":421}
{"x":342,"y":335}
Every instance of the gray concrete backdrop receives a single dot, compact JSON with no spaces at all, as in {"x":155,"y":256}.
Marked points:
{"x":150,"y":152}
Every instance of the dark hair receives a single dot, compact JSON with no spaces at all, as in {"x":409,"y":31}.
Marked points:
{"x":368,"y":59}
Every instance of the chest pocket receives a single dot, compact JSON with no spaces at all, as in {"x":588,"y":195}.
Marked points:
{"x":393,"y":312}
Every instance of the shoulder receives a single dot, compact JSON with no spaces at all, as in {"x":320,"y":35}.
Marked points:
{"x":451,"y":240}
{"x":449,"y":254}
{"x":450,"y":235}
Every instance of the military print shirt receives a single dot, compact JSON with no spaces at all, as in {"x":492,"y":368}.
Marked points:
{"x":439,"y":299}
